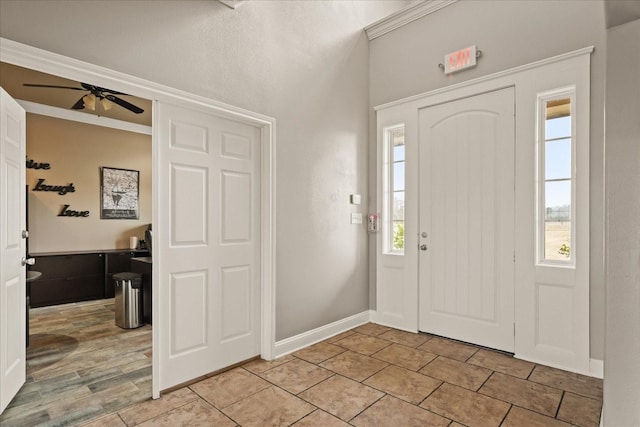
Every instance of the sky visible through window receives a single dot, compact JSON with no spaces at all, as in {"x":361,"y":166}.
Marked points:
{"x":558,"y":162}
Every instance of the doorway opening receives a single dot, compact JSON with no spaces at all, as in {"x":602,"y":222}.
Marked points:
{"x":75,"y":349}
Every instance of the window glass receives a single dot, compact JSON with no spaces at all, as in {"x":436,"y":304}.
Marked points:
{"x":394,"y":189}
{"x":556,"y":183}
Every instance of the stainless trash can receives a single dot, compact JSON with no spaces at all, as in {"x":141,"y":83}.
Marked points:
{"x":128,"y":300}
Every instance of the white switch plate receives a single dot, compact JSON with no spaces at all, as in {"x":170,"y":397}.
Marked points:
{"x":355,"y":199}
{"x":356,"y":218}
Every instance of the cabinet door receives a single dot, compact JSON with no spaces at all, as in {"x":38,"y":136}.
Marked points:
{"x":67,"y":278}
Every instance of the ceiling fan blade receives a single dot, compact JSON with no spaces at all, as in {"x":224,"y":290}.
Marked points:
{"x":53,"y":86}
{"x":121,"y":102}
{"x":102,"y":90}
{"x":79,"y":105}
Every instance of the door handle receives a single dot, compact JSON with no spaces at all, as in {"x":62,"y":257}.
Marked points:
{"x":25,"y":234}
{"x":423,"y":247}
{"x":27,"y":261}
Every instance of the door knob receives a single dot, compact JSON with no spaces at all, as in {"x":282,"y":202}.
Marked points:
{"x":29,"y":261}
{"x":25,"y":234}
{"x":423,"y":247}
{"x":424,"y":234}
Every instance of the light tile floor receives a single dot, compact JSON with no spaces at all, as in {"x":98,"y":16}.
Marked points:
{"x":377,"y":376}
{"x":368,"y":376}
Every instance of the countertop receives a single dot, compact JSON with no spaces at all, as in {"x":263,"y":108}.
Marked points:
{"x":97,"y":251}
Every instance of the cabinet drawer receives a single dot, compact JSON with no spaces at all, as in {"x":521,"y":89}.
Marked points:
{"x":65,"y":266}
{"x":63,"y":290}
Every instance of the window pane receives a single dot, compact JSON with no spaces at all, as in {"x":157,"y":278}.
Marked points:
{"x":398,"y":205}
{"x":398,"y":235}
{"x":557,"y":160}
{"x":557,"y":239}
{"x":398,"y":153}
{"x":558,"y":197}
{"x":398,"y":176}
{"x":558,"y":128}
{"x":557,"y":221}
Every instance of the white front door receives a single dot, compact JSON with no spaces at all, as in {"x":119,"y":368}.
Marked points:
{"x":207,"y":233}
{"x":12,"y":248}
{"x":466,"y":265}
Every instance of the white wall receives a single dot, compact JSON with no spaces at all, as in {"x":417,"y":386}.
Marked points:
{"x":509,"y":33}
{"x":304,"y":63}
{"x":622,"y":351}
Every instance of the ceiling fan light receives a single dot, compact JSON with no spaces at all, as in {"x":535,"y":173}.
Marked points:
{"x":89,"y":101}
{"x":106,"y":104}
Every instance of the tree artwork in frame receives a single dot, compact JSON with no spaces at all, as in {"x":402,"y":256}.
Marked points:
{"x":119,"y":193}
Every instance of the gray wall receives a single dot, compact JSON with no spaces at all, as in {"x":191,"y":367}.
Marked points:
{"x":509,"y":33}
{"x":622,"y":352}
{"x":304,"y":63}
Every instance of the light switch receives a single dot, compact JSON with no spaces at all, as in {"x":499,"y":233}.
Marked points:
{"x":355,"y":199}
{"x":356,"y":218}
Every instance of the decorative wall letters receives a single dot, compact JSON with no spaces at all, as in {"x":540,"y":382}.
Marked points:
{"x":60,"y":189}
{"x":35,"y":165}
{"x":69,"y":212}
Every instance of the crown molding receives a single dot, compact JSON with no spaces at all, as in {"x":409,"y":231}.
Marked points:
{"x":404,"y":16}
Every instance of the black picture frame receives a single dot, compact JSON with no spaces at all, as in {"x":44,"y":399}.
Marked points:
{"x":119,"y":193}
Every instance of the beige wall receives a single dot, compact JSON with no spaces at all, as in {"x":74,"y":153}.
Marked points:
{"x":509,"y":33}
{"x":76,"y":151}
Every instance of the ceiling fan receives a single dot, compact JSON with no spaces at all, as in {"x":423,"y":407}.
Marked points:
{"x":107,"y":97}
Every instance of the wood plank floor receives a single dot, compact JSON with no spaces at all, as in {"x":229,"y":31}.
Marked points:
{"x":80,"y":365}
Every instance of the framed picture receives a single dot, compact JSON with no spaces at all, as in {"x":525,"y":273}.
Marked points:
{"x":119,"y":193}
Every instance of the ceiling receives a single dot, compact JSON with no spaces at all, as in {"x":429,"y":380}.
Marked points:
{"x":620,"y":12}
{"x":13,"y":77}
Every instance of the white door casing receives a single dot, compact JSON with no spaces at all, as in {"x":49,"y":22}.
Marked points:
{"x":540,"y":293}
{"x":467,"y":212}
{"x":208,"y":284}
{"x":12,"y":248}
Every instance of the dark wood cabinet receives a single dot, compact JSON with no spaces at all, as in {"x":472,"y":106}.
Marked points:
{"x":67,"y":278}
{"x":81,"y":276}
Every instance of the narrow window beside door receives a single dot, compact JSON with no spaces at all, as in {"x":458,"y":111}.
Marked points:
{"x":556,"y":181}
{"x":394,"y":162}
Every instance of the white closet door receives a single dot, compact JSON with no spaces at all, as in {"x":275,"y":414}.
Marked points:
{"x":208,"y":238}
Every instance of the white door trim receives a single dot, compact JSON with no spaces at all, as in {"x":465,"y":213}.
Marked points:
{"x":48,"y":62}
{"x":397,"y":283}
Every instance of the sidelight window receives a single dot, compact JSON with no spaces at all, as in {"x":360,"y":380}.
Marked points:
{"x":394,"y":189}
{"x":556,"y":173}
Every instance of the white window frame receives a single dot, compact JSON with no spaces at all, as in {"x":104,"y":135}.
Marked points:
{"x":542,"y":99}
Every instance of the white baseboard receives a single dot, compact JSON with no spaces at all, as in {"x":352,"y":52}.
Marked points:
{"x":295,"y":343}
{"x":596,"y":366}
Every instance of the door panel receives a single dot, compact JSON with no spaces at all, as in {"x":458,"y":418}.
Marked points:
{"x":467,"y":210}
{"x":12,"y":249}
{"x":209,"y":222}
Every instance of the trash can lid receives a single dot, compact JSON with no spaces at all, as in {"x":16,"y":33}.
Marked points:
{"x":127,"y":276}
